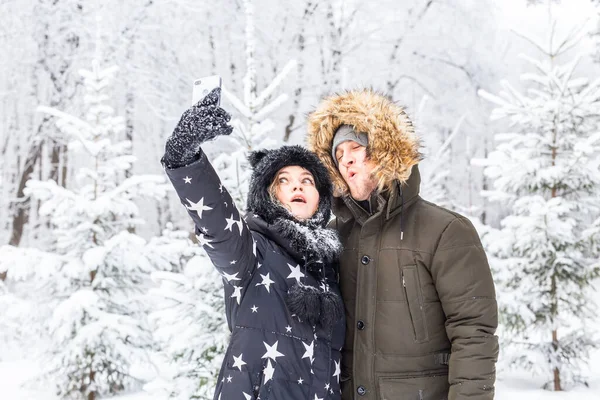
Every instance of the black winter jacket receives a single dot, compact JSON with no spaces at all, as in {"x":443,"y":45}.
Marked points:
{"x":272,"y":354}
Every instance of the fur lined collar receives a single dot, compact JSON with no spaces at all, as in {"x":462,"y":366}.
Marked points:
{"x":393,"y":144}
{"x":309,"y":243}
{"x":316,"y":248}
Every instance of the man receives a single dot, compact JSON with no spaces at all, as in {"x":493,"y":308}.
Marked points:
{"x":419,"y":296}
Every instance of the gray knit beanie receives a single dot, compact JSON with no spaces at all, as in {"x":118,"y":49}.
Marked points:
{"x":347,"y":133}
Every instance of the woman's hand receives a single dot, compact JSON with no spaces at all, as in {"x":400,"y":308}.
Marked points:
{"x":201,"y":122}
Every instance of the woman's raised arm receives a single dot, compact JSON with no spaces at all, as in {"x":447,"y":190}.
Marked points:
{"x":220,"y":228}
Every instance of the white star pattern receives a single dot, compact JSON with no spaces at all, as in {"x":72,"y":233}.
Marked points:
{"x":231,"y":221}
{"x":187,"y":179}
{"x":337,"y":371}
{"x":300,"y":381}
{"x":288,"y":328}
{"x":272,"y":352}
{"x":327,"y":386}
{"x":233,"y":262}
{"x":229,"y":378}
{"x":237,"y":292}
{"x":324,"y":286}
{"x":296,"y":273}
{"x":199,"y":207}
{"x":231,"y":277}
{"x":310,"y":350}
{"x":220,"y":188}
{"x":268,"y":372}
{"x":266,"y":281}
{"x":254,"y":247}
{"x":258,"y":266}
{"x":317,"y":398}
{"x":202,"y":241}
{"x":247,"y":396}
{"x":238,"y":362}
{"x":254,"y":308}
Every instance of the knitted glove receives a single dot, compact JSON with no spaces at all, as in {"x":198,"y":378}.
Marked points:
{"x":200,"y":123}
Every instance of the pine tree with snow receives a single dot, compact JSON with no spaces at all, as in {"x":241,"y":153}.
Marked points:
{"x":95,"y":274}
{"x":546,"y":171}
{"x":191,"y":325}
{"x":191,"y":328}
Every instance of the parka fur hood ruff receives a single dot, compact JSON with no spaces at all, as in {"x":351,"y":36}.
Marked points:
{"x":393,"y":145}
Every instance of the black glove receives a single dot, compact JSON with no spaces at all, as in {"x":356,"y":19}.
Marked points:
{"x":200,"y":123}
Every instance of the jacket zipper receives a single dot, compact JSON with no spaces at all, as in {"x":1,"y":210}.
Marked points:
{"x":412,"y":323}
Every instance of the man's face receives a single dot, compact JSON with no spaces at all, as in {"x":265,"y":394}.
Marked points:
{"x":356,"y":169}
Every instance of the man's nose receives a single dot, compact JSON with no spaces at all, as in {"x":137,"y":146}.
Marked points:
{"x":347,"y":160}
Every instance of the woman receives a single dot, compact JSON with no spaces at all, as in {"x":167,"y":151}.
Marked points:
{"x":278,"y":264}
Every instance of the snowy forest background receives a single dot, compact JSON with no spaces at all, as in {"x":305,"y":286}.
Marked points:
{"x":103,"y":292}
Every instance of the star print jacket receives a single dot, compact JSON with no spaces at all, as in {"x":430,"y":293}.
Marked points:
{"x":272,"y":354}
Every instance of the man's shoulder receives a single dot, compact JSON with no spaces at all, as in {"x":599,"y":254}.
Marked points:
{"x":439,"y":214}
{"x":456,"y":227}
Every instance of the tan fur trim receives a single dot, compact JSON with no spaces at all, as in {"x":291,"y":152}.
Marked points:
{"x":393,"y":145}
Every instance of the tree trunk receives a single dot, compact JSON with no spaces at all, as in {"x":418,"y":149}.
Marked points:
{"x":21,"y":205}
{"x":554,"y":306}
{"x":557,"y":385}
{"x":309,"y":11}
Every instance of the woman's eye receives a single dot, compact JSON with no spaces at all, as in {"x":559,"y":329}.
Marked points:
{"x":282,"y":180}
{"x":308,"y":181}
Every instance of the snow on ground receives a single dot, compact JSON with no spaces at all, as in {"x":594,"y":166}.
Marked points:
{"x":511,"y":385}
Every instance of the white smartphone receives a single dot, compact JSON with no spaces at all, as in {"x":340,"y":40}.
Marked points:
{"x":204,"y":86}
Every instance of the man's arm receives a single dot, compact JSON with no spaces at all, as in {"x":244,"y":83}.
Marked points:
{"x":464,"y":283}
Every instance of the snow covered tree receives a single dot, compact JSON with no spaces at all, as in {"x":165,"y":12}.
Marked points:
{"x":191,"y":329}
{"x":546,"y":171}
{"x":95,"y":273}
{"x":191,"y":325}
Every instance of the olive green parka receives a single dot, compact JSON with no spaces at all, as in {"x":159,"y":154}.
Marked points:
{"x":420,"y":302}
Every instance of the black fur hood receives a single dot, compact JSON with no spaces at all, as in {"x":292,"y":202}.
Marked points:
{"x":309,"y":242}
{"x":266,"y":164}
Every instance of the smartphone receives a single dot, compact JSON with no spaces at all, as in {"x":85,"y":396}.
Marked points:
{"x":204,"y":86}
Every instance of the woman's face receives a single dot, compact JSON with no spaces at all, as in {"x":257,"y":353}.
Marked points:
{"x":296,"y":190}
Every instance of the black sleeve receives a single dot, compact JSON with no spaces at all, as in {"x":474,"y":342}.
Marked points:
{"x":220,"y":228}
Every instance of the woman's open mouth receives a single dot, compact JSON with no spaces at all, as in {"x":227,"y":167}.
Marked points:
{"x":298,"y":199}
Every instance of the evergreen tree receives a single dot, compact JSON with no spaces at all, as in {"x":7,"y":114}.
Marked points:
{"x":191,"y":329}
{"x":95,"y":273}
{"x":545,"y":170}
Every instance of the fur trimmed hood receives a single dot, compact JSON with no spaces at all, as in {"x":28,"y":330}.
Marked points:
{"x":393,"y":144}
{"x":309,"y":242}
{"x":266,"y":164}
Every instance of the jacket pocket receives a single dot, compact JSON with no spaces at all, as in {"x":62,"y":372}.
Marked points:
{"x":430,"y":387}
{"x":414,"y":302}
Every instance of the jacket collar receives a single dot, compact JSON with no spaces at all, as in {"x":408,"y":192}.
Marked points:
{"x":401,"y":196}
{"x":308,"y":244}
